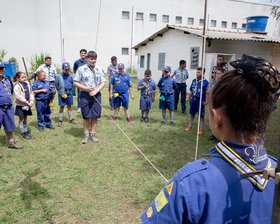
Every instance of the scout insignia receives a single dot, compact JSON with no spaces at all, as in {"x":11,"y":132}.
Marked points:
{"x":149,"y":212}
{"x":160,"y":201}
{"x":169,"y":188}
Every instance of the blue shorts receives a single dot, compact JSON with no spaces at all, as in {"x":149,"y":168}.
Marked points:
{"x":7,"y":118}
{"x":91,"y":109}
{"x":194,"y":107}
{"x":168,"y":103}
{"x":146,"y":103}
{"x":121,"y":100}
{"x":68,"y":101}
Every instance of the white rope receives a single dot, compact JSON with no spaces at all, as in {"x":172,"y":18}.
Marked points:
{"x":132,"y":142}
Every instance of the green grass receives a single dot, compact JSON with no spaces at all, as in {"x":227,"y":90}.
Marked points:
{"x":55,"y":179}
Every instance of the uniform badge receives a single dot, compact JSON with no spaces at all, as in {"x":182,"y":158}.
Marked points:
{"x":160,"y":201}
{"x":86,"y":79}
{"x":149,"y":212}
{"x":169,"y":188}
{"x":124,"y":83}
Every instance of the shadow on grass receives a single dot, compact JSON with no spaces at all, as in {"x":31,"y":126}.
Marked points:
{"x":32,"y":192}
{"x":75,"y":131}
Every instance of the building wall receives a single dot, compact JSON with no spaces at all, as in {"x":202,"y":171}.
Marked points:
{"x":33,"y":26}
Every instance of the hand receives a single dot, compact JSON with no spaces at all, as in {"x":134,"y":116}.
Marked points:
{"x":144,"y":86}
{"x":30,"y":104}
{"x":204,"y":103}
{"x":189,"y":99}
{"x":27,"y":103}
{"x":44,"y":90}
{"x":51,"y":86}
{"x":153,"y":99}
{"x":132,"y":97}
{"x":28,"y":78}
{"x":89,"y":89}
{"x":93,"y":93}
{"x":111,"y":96}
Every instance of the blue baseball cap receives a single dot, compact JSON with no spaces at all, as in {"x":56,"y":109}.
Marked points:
{"x":65,"y":65}
{"x":2,"y":65}
{"x":167,"y":69}
{"x":121,"y":65}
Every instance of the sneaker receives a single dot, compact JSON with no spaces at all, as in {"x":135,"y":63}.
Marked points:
{"x":146,"y":120}
{"x":162,"y":122}
{"x":172,"y":124}
{"x":94,"y":139}
{"x":40,"y":129}
{"x":188,"y":128}
{"x":24,"y":135}
{"x":113,"y":118}
{"x":79,"y":110}
{"x":142,"y":119}
{"x":50,"y":127}
{"x":85,"y":140}
{"x":14,"y":145}
{"x":112,"y":108}
{"x":130,"y":120}
{"x":211,"y":138}
{"x":59,"y":123}
{"x":184,"y":112}
{"x":200,"y":132}
{"x":28,"y":133}
{"x":72,"y":121}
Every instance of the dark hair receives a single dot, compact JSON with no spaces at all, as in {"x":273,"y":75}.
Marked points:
{"x":113,"y":58}
{"x":148,"y":72}
{"x":221,"y":56}
{"x":16,"y":76}
{"x":47,"y":57}
{"x":83,"y":50}
{"x":39,"y":72}
{"x":182,"y":62}
{"x":92,"y":54}
{"x":221,"y":70}
{"x":199,"y":68}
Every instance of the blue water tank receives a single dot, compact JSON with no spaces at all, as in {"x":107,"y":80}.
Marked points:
{"x":256,"y":23}
{"x":10,"y":69}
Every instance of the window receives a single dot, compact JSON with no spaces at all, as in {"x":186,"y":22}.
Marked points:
{"x":213,"y":23}
{"x":153,"y":17}
{"x":148,"y":60}
{"x":125,"y":14}
{"x":161,"y":61}
{"x":243,"y":25}
{"x":201,"y":22}
{"x":165,"y":18}
{"x":178,"y":19}
{"x":124,"y":51}
{"x":194,"y":57}
{"x":224,"y":24}
{"x":139,"y":15}
{"x":234,"y":25}
{"x":142,"y":60}
{"x":190,"y":21}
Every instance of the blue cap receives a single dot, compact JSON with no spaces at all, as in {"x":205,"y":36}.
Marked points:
{"x":121,"y":65}
{"x":65,"y":65}
{"x":167,"y":69}
{"x":2,"y":65}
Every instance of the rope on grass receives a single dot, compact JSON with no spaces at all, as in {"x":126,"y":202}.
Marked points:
{"x":129,"y":139}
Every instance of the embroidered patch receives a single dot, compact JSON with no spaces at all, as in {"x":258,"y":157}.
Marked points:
{"x":169,"y":188}
{"x":149,"y":212}
{"x":160,"y":201}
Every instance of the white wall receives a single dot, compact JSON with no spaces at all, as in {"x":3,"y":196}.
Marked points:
{"x":32,"y":26}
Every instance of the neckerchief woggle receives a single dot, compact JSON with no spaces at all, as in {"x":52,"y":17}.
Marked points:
{"x":246,"y":158}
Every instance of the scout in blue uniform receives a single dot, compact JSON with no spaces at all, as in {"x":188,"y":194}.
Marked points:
{"x":194,"y":99}
{"x":80,"y":62}
{"x":120,"y":85}
{"x":7,"y":109}
{"x":167,"y":85}
{"x":64,"y":86}
{"x":90,"y":80}
{"x":148,"y":92}
{"x":181,"y":75}
{"x":42,"y":90}
{"x":111,"y":71}
{"x":213,"y":191}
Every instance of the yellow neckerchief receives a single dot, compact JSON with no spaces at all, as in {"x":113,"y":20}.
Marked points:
{"x":196,"y":84}
{"x":241,"y":165}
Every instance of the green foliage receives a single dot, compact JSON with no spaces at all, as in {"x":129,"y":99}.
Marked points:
{"x":37,"y":60}
{"x":275,"y":12}
{"x":3,"y":53}
{"x":131,"y":71}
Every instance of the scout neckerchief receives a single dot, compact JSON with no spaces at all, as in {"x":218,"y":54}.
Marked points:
{"x":181,"y":75}
{"x":120,"y":75}
{"x":49,"y":71}
{"x":196,"y":84}
{"x":5,"y":87}
{"x":147,"y":89}
{"x":246,"y":159}
{"x":94,"y":75}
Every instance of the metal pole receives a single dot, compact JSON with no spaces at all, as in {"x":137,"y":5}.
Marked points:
{"x":131,"y":38}
{"x":98,"y":22}
{"x":61,"y":34}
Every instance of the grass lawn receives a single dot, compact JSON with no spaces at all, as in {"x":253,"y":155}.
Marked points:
{"x":55,"y":179}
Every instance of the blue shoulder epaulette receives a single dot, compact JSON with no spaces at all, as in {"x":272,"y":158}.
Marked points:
{"x":192,"y":167}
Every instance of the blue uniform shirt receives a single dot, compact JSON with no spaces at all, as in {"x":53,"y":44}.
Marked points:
{"x":196,"y":87}
{"x":5,"y":97}
{"x":111,"y":73}
{"x":41,"y":85}
{"x":212,"y":191}
{"x":167,"y":85}
{"x":68,"y":81}
{"x":121,"y":83}
{"x":180,"y":75}
{"x":49,"y":70}
{"x":78,"y":64}
{"x":152,"y":87}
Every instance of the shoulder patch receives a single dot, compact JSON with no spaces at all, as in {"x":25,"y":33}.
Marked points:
{"x":160,"y":201}
{"x":192,"y":167}
{"x":169,"y":188}
{"x":149,"y":212}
